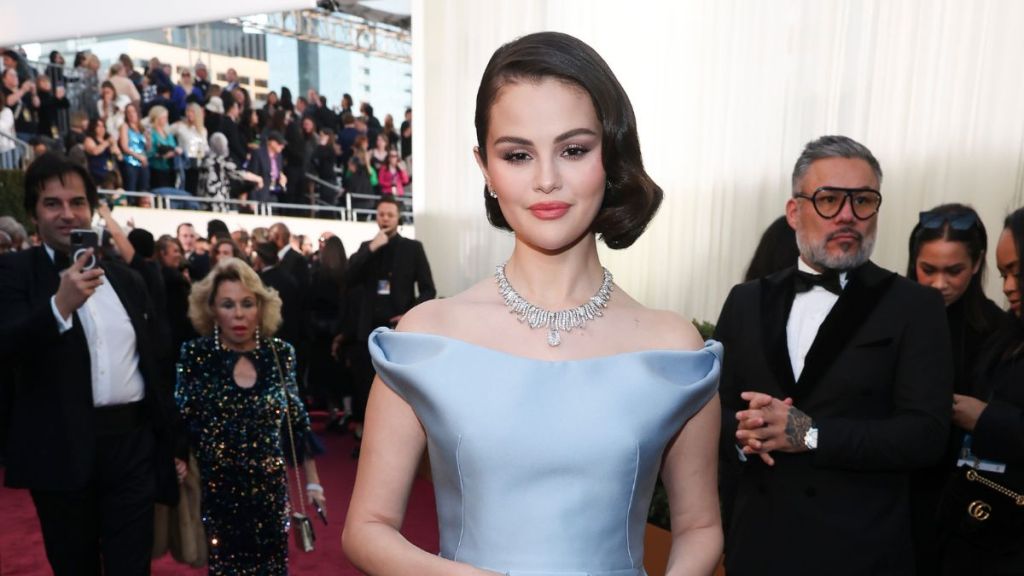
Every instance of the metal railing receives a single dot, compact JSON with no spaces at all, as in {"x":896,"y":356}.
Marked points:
{"x":173,"y":199}
{"x":16,"y":158}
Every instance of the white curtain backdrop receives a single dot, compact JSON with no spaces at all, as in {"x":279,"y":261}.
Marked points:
{"x":726,"y":94}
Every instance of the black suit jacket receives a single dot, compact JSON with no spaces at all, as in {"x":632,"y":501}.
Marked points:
{"x":236,"y":147}
{"x":259,"y":164}
{"x":292,"y":328}
{"x":878,"y":383}
{"x":297,"y":267}
{"x":50,"y":434}
{"x":405,"y":262}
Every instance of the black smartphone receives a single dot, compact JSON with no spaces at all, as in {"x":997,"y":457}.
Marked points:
{"x":320,"y":512}
{"x":82,"y":240}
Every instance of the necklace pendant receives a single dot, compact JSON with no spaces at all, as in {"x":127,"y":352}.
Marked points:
{"x":554,"y":338}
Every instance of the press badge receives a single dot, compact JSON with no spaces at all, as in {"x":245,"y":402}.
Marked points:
{"x":383,"y":287}
{"x":967,"y":458}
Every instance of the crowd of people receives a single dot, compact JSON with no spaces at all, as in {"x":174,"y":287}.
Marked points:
{"x":850,"y":420}
{"x":140,"y":131}
{"x":266,"y":326}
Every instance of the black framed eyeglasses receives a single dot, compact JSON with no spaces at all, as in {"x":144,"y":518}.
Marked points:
{"x":828,"y":201}
{"x":936,"y":220}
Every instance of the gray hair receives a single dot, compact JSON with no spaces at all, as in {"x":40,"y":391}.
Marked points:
{"x":14,"y":230}
{"x":832,"y":147}
{"x":219,"y":144}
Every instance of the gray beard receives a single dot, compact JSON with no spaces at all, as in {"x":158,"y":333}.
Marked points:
{"x":817,"y":254}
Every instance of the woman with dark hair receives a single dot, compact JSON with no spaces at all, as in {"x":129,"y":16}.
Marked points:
{"x":100,"y":152}
{"x":947,"y":252}
{"x":545,"y":445}
{"x":982,"y":515}
{"x":328,"y":377}
{"x":225,"y":248}
{"x":776,"y":251}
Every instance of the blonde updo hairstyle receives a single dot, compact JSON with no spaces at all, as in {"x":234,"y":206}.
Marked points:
{"x":201,"y":300}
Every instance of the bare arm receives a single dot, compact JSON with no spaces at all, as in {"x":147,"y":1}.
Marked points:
{"x":690,"y":476}
{"x":392,"y":446}
{"x":117,"y":233}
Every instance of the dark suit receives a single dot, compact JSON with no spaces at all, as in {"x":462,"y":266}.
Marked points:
{"x":236,"y":147}
{"x":401,"y":263}
{"x":295,"y":264}
{"x":292,"y":325}
{"x":55,"y":446}
{"x":878,"y":383}
{"x":260,"y":165}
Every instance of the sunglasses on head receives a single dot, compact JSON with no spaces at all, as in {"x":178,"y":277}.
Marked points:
{"x":936,"y":220}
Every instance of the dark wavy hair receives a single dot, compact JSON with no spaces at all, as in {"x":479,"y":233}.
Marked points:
{"x":631,"y":197}
{"x":1015,"y":336}
{"x":776,"y":251}
{"x":50,"y":166}
{"x":975,"y":240}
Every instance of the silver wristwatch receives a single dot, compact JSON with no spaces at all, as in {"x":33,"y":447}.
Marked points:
{"x":811,"y":438}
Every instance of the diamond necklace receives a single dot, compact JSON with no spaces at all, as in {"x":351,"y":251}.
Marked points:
{"x":562,"y":320}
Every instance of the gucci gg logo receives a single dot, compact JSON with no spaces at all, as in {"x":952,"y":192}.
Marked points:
{"x":979,"y":510}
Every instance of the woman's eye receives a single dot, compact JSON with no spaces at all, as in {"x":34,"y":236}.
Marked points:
{"x":575,"y":151}
{"x":515,"y":157}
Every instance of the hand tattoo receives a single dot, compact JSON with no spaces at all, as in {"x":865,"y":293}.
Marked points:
{"x":797,"y":425}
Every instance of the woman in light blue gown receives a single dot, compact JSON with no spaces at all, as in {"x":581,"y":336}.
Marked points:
{"x":546,"y":427}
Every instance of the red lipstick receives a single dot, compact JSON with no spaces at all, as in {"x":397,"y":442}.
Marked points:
{"x":549,"y":210}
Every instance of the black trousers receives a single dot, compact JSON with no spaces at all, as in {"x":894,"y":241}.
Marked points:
{"x":108,"y":523}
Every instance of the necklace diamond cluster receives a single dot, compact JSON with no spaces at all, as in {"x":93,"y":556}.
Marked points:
{"x":555,"y":322}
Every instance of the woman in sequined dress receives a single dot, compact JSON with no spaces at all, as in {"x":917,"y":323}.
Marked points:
{"x":233,"y":404}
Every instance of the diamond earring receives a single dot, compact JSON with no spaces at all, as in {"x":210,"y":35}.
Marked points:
{"x":490,"y":190}
{"x":257,"y":335}
{"x":216,"y":334}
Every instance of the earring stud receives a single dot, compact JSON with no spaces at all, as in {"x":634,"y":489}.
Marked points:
{"x":490,"y":190}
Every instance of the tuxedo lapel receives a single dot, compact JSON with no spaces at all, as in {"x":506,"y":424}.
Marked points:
{"x":776,"y":302}
{"x":867,"y":284}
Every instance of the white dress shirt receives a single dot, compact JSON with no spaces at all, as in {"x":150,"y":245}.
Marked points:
{"x":806,"y":316}
{"x":113,"y":357}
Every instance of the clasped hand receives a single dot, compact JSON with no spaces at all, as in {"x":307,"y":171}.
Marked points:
{"x":770,"y":424}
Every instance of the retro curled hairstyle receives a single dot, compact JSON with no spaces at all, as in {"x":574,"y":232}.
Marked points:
{"x":631,"y":198}
{"x":201,"y":304}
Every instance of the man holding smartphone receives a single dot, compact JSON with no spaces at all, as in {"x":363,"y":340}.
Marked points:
{"x":90,"y":409}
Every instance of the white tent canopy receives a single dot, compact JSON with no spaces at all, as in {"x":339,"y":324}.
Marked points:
{"x":34,"y":21}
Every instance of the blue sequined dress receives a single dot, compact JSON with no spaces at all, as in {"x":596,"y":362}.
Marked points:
{"x":238,"y":435}
{"x":544,"y":468}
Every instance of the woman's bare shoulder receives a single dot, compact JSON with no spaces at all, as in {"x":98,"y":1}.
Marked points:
{"x":446,"y":316}
{"x":659,"y":329}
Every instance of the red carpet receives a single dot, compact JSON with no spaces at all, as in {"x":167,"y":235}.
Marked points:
{"x":21,"y":544}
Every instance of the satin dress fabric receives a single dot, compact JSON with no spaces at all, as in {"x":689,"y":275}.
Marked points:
{"x":544,"y":468}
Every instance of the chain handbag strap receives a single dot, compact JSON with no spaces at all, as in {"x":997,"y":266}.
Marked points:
{"x":973,"y":476}
{"x":291,"y":435}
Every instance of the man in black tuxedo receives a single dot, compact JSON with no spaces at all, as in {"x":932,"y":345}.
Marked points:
{"x":385,"y":275}
{"x":198,"y":265}
{"x":837,"y":384}
{"x":91,"y":407}
{"x":267,"y":264}
{"x":290,"y":260}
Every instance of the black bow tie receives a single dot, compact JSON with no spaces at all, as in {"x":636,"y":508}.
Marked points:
{"x":61,"y":260}
{"x":804,"y":282}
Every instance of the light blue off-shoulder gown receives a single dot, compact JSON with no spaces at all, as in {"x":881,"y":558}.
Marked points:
{"x":544,"y":468}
